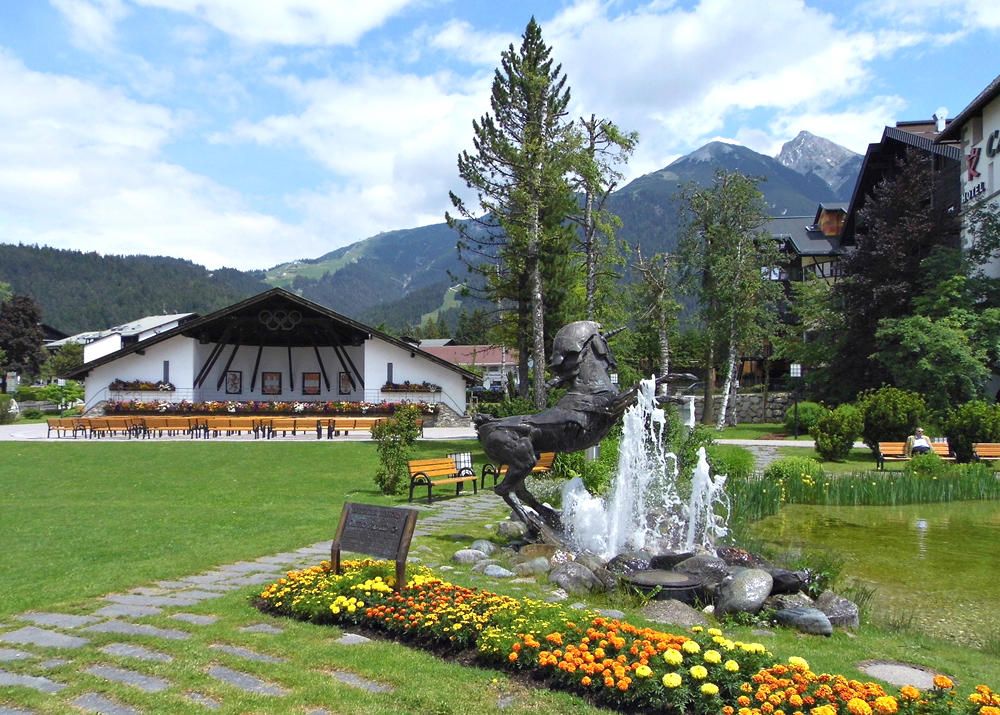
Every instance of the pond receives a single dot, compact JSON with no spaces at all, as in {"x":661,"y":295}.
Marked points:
{"x":934,"y":565}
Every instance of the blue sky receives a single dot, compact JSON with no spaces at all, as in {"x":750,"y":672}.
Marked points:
{"x":247,"y":133}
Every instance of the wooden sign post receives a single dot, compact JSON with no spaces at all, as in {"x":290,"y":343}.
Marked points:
{"x":381,"y":531}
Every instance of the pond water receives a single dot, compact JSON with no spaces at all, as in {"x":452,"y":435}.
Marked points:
{"x":937,"y":564}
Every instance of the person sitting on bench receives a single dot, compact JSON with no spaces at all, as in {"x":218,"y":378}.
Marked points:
{"x":917,"y":443}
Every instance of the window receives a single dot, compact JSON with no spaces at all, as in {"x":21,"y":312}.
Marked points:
{"x":166,"y":371}
{"x":388,"y":372}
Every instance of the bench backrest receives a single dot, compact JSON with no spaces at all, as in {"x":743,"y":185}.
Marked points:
{"x":986,"y":449}
{"x":892,"y":449}
{"x":545,"y":461}
{"x":941,"y":449}
{"x":432,"y":467}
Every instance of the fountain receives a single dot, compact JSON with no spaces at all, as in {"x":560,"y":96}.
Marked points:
{"x":648,"y":508}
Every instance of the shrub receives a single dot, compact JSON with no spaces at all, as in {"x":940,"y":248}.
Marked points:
{"x":835,"y":432}
{"x":972,"y":422}
{"x":889,"y":415}
{"x":808,"y":413}
{"x":596,"y":474}
{"x":927,"y":466}
{"x":32,"y":413}
{"x":735,"y":462}
{"x":27,"y":393}
{"x":394,"y":438}
{"x":789,"y":468}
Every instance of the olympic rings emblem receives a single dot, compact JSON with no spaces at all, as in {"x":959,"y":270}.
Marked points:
{"x":279,"y":319}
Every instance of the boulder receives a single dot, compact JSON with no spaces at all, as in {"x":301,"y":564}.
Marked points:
{"x":669,"y":559}
{"x":740,"y":557}
{"x":533,"y":551}
{"x":573,"y":577}
{"x":745,"y":592}
{"x":589,"y":559}
{"x":675,"y":612}
{"x":534,"y":566}
{"x":512,"y":529}
{"x":496,"y":571}
{"x":706,"y":568}
{"x":487,"y":547}
{"x":841,"y":611}
{"x":782,"y":601}
{"x":480,"y":566}
{"x":467,"y":556}
{"x":630,"y":561}
{"x":608,"y":579}
{"x":805,"y":620}
{"x":786,"y":581}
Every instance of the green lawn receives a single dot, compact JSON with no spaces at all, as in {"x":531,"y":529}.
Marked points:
{"x":84,"y":519}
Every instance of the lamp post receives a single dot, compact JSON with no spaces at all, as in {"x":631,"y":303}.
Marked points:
{"x":796,"y":374}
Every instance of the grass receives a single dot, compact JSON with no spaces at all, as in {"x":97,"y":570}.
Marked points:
{"x":88,"y":518}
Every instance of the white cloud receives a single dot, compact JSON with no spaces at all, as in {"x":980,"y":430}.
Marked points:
{"x":80,"y":168}
{"x":463,"y":41}
{"x":92,"y":22}
{"x":289,"y":22}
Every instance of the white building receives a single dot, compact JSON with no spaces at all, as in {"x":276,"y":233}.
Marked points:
{"x":274,"y":347}
{"x":977,"y":129}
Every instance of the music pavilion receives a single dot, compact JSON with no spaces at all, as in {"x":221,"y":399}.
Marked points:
{"x":273,"y":347}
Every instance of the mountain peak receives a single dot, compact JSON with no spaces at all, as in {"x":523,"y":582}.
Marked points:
{"x":808,"y":153}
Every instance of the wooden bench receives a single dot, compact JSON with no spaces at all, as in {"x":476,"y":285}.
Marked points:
{"x":544,"y":464}
{"x":896,"y":452}
{"x":62,"y":426}
{"x":986,"y":451}
{"x":434,"y":472}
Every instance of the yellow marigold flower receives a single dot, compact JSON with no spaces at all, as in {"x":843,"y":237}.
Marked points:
{"x":712,"y":656}
{"x":714,"y":632}
{"x":886,"y":704}
{"x":823,"y":710}
{"x":710,"y":689}
{"x":673,"y":657}
{"x":943,"y":682}
{"x":690,"y":647}
{"x":697,"y":629}
{"x":857,"y":706}
{"x":699,"y":672}
{"x":671,"y":680}
{"x":799,"y":662}
{"x":732,"y":666}
{"x":989,"y":710}
{"x":643,"y":671}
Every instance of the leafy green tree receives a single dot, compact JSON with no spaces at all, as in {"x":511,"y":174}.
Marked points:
{"x":21,"y":337}
{"x":889,"y":414}
{"x":729,"y":258}
{"x":835,"y":432}
{"x":655,"y":301}
{"x":67,"y":358}
{"x":524,"y":151}
{"x":903,"y":229}
{"x":474,"y":327}
{"x":62,"y":395}
{"x":394,"y":439}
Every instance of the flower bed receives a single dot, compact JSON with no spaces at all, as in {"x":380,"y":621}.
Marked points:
{"x":610,"y":662}
{"x":411,"y":387}
{"x":140,"y":386}
{"x":185,"y":407}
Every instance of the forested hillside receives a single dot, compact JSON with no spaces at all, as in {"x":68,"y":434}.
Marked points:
{"x":86,"y":291}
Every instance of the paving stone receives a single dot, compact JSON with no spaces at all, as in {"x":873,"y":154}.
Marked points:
{"x":42,"y":637}
{"x":358,"y":682}
{"x":245,"y":567}
{"x":219,"y":588}
{"x":173,"y":584}
{"x":137,"y":629}
{"x":146,"y":683}
{"x":199,"y":594}
{"x":262,"y":628}
{"x":209,"y":577}
{"x":352,"y":639}
{"x":56,"y":620}
{"x":14,"y":711}
{"x":246,"y":653}
{"x":53,"y":663}
{"x":155,"y":601}
{"x":203,"y":700}
{"x":149,"y":591}
{"x":195,"y":618}
{"x":97,"y":703}
{"x":41,"y":684}
{"x":278,"y":559}
{"x":121,"y":609}
{"x":254,"y":579}
{"x":9,"y":654}
{"x":136,"y":651}
{"x":245,"y":681}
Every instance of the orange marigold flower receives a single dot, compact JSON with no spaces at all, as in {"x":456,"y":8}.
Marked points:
{"x":909,"y":692}
{"x":585,"y":680}
{"x":886,"y":704}
{"x":512,"y":657}
{"x":857,"y":706}
{"x":943,"y":682}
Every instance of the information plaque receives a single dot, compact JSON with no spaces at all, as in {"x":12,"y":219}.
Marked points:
{"x":381,"y":531}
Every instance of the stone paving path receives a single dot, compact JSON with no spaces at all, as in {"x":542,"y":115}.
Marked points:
{"x":22,"y":642}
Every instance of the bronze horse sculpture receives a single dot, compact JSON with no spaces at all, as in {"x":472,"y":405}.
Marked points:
{"x":581,"y":360}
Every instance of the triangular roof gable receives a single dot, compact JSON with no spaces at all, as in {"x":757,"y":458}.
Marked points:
{"x":275,"y":317}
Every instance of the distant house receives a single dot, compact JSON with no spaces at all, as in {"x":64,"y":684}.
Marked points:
{"x":273,"y":347}
{"x":495,"y":363}
{"x":811,"y":244}
{"x":97,"y":343}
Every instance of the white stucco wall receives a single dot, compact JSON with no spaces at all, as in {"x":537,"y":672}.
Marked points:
{"x":179,"y":352}
{"x":984,"y":187}
{"x":414,"y":369}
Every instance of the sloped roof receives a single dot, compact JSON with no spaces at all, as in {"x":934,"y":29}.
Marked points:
{"x":135,"y":327}
{"x":274,"y":318}
{"x":954,"y":129}
{"x":804,"y":235}
{"x":475,"y":354}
